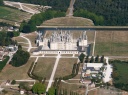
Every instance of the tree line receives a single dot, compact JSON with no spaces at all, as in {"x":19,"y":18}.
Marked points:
{"x":5,"y":38}
{"x":38,"y":19}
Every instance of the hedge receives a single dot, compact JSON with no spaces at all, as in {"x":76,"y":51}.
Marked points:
{"x":3,"y":63}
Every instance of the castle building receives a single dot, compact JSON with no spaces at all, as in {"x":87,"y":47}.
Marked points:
{"x":63,"y":42}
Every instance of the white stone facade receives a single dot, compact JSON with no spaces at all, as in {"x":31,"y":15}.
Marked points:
{"x":62,"y":41}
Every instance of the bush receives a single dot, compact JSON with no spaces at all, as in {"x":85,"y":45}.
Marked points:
{"x":13,"y":82}
{"x":38,"y":88}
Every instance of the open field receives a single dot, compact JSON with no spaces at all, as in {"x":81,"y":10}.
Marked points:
{"x":114,"y":43}
{"x":23,"y":42}
{"x":109,"y":91}
{"x":32,"y":37}
{"x":10,"y":72}
{"x":90,"y":36}
{"x":44,"y":67}
{"x":73,"y":87}
{"x":93,"y":92}
{"x":12,"y":14}
{"x":65,"y":66}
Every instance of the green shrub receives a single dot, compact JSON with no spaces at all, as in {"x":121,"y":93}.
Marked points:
{"x":3,"y":63}
{"x":13,"y":82}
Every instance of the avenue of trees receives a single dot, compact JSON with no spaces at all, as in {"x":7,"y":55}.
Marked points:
{"x":38,"y":19}
{"x":20,"y":58}
{"x":86,"y":59}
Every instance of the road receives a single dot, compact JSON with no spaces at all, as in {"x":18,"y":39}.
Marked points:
{"x":71,"y":8}
{"x":93,"y":51}
{"x":53,"y":72}
{"x":29,"y":43}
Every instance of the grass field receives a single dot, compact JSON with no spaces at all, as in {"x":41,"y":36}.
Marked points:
{"x":14,"y":15}
{"x":112,"y":43}
{"x":10,"y":72}
{"x":121,"y":68}
{"x":20,"y":39}
{"x":73,"y":87}
{"x":66,"y":21}
{"x":32,"y":37}
{"x":65,"y":66}
{"x":44,"y":67}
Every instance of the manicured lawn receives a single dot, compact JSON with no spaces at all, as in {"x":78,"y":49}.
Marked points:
{"x":10,"y":72}
{"x":44,"y":67}
{"x":113,"y":43}
{"x":65,"y":66}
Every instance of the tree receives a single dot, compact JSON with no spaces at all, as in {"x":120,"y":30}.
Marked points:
{"x":19,"y":47}
{"x":51,"y":91}
{"x":13,"y":82}
{"x":102,"y":59}
{"x":38,"y":88}
{"x":81,"y":57}
{"x":92,"y":59}
{"x":97,"y":59}
{"x":20,"y":58}
{"x":87,"y":59}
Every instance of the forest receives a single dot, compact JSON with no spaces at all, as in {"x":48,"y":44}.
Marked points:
{"x":114,"y":12}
